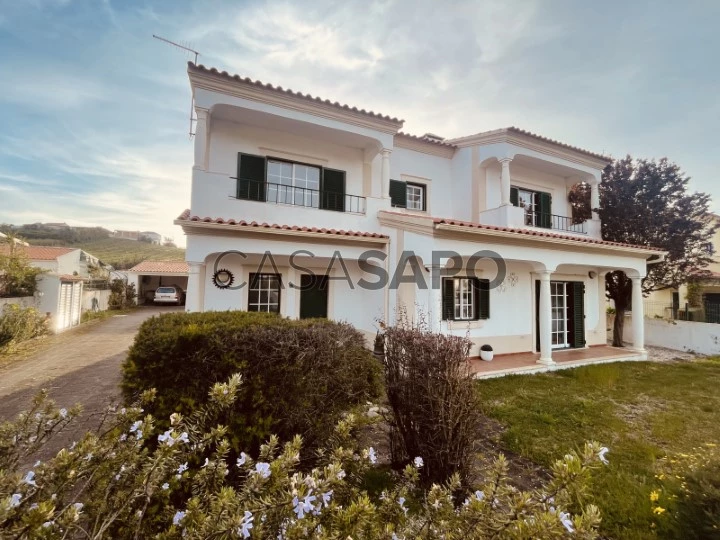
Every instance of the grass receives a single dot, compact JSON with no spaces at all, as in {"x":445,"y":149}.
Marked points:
{"x":641,"y":411}
{"x":123,"y":254}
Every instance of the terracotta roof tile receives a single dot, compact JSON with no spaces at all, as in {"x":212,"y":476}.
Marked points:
{"x":224,"y":74}
{"x":185,"y":216}
{"x":533,"y":232}
{"x":159,"y":267}
{"x":39,"y":253}
{"x":425,"y":138}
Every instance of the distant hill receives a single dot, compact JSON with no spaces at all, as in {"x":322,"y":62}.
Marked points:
{"x":123,"y":254}
{"x":117,"y":252}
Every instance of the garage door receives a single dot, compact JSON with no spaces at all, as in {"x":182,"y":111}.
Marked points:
{"x":69,"y":305}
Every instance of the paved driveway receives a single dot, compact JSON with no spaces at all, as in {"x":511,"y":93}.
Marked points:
{"x":78,"y":366}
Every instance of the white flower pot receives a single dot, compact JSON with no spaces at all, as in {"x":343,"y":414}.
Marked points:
{"x":486,"y":355}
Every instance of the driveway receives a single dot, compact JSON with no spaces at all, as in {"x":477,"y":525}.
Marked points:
{"x":78,"y":366}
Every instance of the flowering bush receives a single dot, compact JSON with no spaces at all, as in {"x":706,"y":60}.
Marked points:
{"x":687,"y":504}
{"x":299,"y":376}
{"x":131,"y":479}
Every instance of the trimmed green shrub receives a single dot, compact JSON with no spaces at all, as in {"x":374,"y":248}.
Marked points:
{"x":299,"y":376}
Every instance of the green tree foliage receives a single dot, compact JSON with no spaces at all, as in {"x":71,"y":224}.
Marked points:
{"x":647,"y":203}
{"x":122,"y":294}
{"x":17,"y":276}
{"x":579,"y":199}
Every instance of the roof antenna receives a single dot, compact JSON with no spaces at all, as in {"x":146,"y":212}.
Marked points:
{"x":190,"y":51}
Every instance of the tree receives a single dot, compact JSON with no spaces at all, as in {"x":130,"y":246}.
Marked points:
{"x":17,"y":276}
{"x":579,"y":199}
{"x":647,"y":203}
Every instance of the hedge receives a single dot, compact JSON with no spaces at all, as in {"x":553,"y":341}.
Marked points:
{"x":298,"y":376}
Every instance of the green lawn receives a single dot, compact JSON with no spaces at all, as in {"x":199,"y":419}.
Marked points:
{"x":641,"y":411}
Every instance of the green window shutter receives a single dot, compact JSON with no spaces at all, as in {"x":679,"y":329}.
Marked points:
{"x":578,"y":306}
{"x":398,"y":193}
{"x":448,"y":299}
{"x":482,"y":298}
{"x":251,"y":177}
{"x":545,"y":210}
{"x":514,"y":196}
{"x":332,"y":190}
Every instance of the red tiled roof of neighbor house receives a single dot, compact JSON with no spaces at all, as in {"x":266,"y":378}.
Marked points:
{"x":532,"y":232}
{"x":185,"y":216}
{"x":159,"y":267}
{"x":69,"y":277}
{"x":39,"y":253}
{"x":279,"y":89}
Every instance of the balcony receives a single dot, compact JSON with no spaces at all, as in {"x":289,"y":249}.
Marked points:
{"x":519,"y":218}
{"x":554,"y":222}
{"x":269,"y":192}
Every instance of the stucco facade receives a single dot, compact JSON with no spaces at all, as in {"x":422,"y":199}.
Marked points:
{"x":404,"y":202}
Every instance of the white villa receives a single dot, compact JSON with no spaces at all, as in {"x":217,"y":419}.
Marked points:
{"x":301,"y":206}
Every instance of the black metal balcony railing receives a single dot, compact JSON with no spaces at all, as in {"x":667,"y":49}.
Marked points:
{"x":552,"y":221}
{"x":299,"y":196}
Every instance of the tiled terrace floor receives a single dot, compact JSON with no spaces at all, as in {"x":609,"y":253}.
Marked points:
{"x":519,"y":363}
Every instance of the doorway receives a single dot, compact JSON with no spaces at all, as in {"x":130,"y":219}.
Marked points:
{"x":313,"y":296}
{"x":567,"y":304}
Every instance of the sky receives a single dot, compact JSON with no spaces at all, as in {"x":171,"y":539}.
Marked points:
{"x":96,"y":111}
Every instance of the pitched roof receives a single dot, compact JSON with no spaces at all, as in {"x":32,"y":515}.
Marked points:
{"x":199,"y":68}
{"x":160,"y":267}
{"x":39,"y":253}
{"x":534,"y":232}
{"x":186,"y":217}
{"x":518,"y":131}
{"x":426,"y":138}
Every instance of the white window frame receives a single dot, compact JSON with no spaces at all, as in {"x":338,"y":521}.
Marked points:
{"x":420,"y":190}
{"x":262,"y":284}
{"x":464,"y":299}
{"x":531,"y":211}
{"x":292,"y":193}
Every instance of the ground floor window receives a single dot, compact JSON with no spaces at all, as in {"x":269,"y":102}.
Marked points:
{"x":466,"y":299}
{"x":264,"y":293}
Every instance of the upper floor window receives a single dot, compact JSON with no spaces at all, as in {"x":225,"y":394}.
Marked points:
{"x":537,"y":205}
{"x":293,"y":183}
{"x":408,"y":195}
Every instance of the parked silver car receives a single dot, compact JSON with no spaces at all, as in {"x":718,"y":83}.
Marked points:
{"x":169,"y":295}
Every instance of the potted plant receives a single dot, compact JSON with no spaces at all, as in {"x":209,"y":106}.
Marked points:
{"x":486,"y":352}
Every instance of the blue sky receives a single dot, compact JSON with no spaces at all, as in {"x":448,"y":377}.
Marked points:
{"x":95,"y":111}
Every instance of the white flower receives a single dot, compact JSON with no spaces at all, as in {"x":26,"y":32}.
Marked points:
{"x":78,"y":507}
{"x":182,"y":468}
{"x":183,"y":437}
{"x":15,"y":500}
{"x":401,"y":502}
{"x":123,"y":437}
{"x":566,"y":521}
{"x":166,"y":486}
{"x":326,"y":497}
{"x":135,"y":426}
{"x":263,"y":469}
{"x":123,"y":410}
{"x":30,"y":479}
{"x":479,"y":495}
{"x":174,"y":418}
{"x":246,"y":524}
{"x":242,"y":459}
{"x":48,"y":524}
{"x":207,"y":462}
{"x":89,"y":456}
{"x":37,"y":464}
{"x":304,"y":506}
{"x":601,"y":455}
{"x":418,"y":461}
{"x":341,"y":474}
{"x":63,"y":413}
{"x":178,"y":517}
{"x":139,"y":434}
{"x":371,"y":455}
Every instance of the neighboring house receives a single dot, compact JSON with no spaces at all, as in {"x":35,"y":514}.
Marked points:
{"x":127,"y":235}
{"x":153,"y":237}
{"x":16,"y":240}
{"x":60,"y":289}
{"x":310,"y":181}
{"x":674,"y":303}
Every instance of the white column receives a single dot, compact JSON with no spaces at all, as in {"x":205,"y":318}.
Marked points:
{"x":638,"y":315}
{"x":385,"y":174}
{"x":594,"y":198}
{"x":434,"y":301}
{"x":195,"y":287}
{"x":505,"y":181}
{"x":201,"y":139}
{"x":545,"y":316}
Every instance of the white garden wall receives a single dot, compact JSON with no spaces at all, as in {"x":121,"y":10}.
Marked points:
{"x":22,"y":301}
{"x":101,"y":296}
{"x":702,"y":338}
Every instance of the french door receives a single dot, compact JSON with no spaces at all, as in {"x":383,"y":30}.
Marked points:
{"x":559,"y":304}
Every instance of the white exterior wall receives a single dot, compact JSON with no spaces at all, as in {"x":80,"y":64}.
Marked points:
{"x":433,"y":171}
{"x":686,"y":336}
